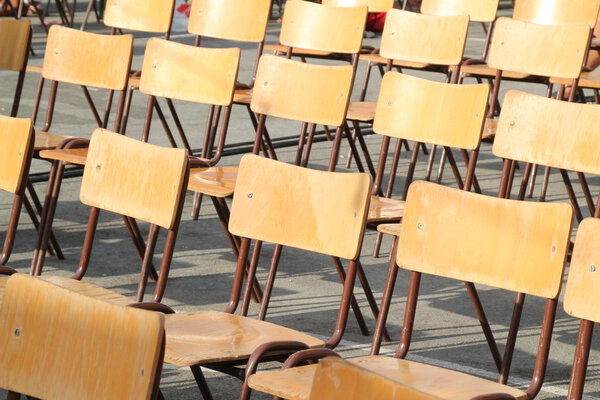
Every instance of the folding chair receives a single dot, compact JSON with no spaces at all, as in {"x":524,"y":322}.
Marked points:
{"x":580,"y":295}
{"x":465,"y":236}
{"x":14,"y":53}
{"x":58,"y":344}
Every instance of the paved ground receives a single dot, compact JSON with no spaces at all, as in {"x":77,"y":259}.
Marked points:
{"x":307,"y":292}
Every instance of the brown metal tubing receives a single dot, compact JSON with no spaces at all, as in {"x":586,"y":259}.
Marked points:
{"x":409,"y":314}
{"x":571,"y":193}
{"x":18,"y":90}
{"x":430,"y":164}
{"x":147,"y":261}
{"x":238,"y":277}
{"x":216,"y":156}
{"x":525,"y":181}
{"x":260,"y":128}
{"x":88,"y":98}
{"x":342,"y":319}
{"x":51,"y":103}
{"x":411,"y":169}
{"x":38,"y":98}
{"x":309,"y":142}
{"x":488,"y":38}
{"x":88,"y":242}
{"x":362,"y":277}
{"x":335,"y":149}
{"x":364,"y":148}
{"x":308,"y":355}
{"x":503,"y":190}
{"x":11,"y":229}
{"x":511,"y":340}
{"x":495,"y":91}
{"x":201,"y":381}
{"x":471,"y":178}
{"x":251,"y":274}
{"x":385,"y":144}
{"x":353,"y":303}
{"x":586,"y":192}
{"x":454,"y":167}
{"x":165,"y":125}
{"x":264,"y":305}
{"x":178,"y":125}
{"x":138,"y":242}
{"x":394,"y":168}
{"x":580,"y":361}
{"x":353,"y":150}
{"x":125,"y":118}
{"x":151,"y":306}
{"x":147,"y":118}
{"x":107,"y":108}
{"x":301,"y":143}
{"x":545,"y":184}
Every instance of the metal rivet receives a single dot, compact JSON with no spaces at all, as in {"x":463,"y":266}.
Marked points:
{"x":153,"y":66}
{"x":393,"y":33}
{"x":477,"y":115}
{"x":390,"y":103}
{"x":513,"y":123}
{"x":250,"y":195}
{"x":56,"y":52}
{"x":20,"y":153}
{"x":420,"y":226}
{"x":592,"y":268}
{"x":17,"y":332}
{"x":98,"y":166}
{"x":554,"y":249}
{"x":355,"y":214}
{"x":266,"y":83}
{"x":501,"y":43}
{"x":142,"y":372}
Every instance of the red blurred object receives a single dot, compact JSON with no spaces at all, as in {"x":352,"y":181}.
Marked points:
{"x":375,"y":22}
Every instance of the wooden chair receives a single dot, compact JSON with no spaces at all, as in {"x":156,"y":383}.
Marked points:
{"x":14,"y":53}
{"x":16,"y":136}
{"x":58,"y":344}
{"x":557,"y":12}
{"x":465,"y":236}
{"x":580,"y":295}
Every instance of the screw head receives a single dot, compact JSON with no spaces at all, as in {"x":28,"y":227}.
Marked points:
{"x":592,"y":268}
{"x":17,"y":332}
{"x":250,"y":195}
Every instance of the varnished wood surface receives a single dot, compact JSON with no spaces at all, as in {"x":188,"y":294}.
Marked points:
{"x":587,"y":80}
{"x":279,"y":49}
{"x":372,"y":5}
{"x":48,"y":140}
{"x":212,"y":336}
{"x":36,"y":69}
{"x":57,"y":344}
{"x":378,"y":59}
{"x":16,"y":135}
{"x":582,"y":293}
{"x":424,"y":38}
{"x":361,"y":111}
{"x":189,"y":73}
{"x":133,"y":178}
{"x":215,"y":181}
{"x":527,"y":47}
{"x":549,"y":132}
{"x":390,"y":229}
{"x":14,"y":47}
{"x":243,"y":96}
{"x":477,"y":10}
{"x":557,"y":12}
{"x":87,"y":59}
{"x":384,"y":209}
{"x":324,"y":212}
{"x":88,"y":289}
{"x":489,"y":128}
{"x":432,"y":112}
{"x":71,"y":156}
{"x":309,"y":25}
{"x":240,"y":20}
{"x":154,"y":16}
{"x":481,"y":239}
{"x":486,"y":70}
{"x":300,"y":91}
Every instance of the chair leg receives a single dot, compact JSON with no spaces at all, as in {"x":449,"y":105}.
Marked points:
{"x":201,"y":381}
{"x":197,"y":203}
{"x":355,"y":307}
{"x":370,"y":298}
{"x":38,"y":207}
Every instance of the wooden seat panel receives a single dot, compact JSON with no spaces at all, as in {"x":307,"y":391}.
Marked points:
{"x":48,"y":140}
{"x":16,"y":136}
{"x":378,"y":59}
{"x":243,"y":96}
{"x":390,"y":229}
{"x":486,"y":70}
{"x":372,"y":5}
{"x":384,"y":209}
{"x":298,"y":52}
{"x":71,"y":156}
{"x":215,"y":181}
{"x":361,"y":111}
{"x":586,"y":80}
{"x":204,"y":337}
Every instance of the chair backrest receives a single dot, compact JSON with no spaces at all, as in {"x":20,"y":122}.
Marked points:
{"x":112,"y":179}
{"x":299,"y":91}
{"x":477,"y":10}
{"x":240,"y":20}
{"x":582,"y":294}
{"x":474,"y":238}
{"x":148,"y":16}
{"x":557,"y":12}
{"x":88,"y":59}
{"x":545,"y":50}
{"x":549,"y":132}
{"x":425,"y":111}
{"x":372,"y":5}
{"x":17,"y":137}
{"x":324,"y":212}
{"x":336,"y":378}
{"x":59,"y":344}
{"x":323,"y":27}
{"x":430,"y":39}
{"x":189,"y":73}
{"x":15,"y":46}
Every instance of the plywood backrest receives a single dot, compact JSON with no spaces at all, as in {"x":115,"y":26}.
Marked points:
{"x":336,"y":378}
{"x":324,"y":212}
{"x":148,"y":16}
{"x":549,"y":132}
{"x":432,"y":112}
{"x":58,"y":344}
{"x":133,"y":178}
{"x":372,"y":5}
{"x":189,"y":73}
{"x":88,"y":59}
{"x":322,"y":27}
{"x":477,"y":10}
{"x":424,"y":38}
{"x":16,"y":35}
{"x":300,"y":91}
{"x":583,"y":286}
{"x":241,"y":20}
{"x":546,"y":50}
{"x":508,"y":244}
{"x":557,"y":12}
{"x":16,"y":136}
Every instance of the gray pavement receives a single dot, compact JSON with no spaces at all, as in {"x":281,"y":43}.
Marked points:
{"x":306,"y":295}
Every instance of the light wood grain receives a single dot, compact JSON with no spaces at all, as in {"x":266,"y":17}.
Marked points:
{"x":133,"y":178}
{"x":88,"y":289}
{"x":378,"y":59}
{"x":215,"y":181}
{"x":310,"y":25}
{"x":48,"y":140}
{"x":71,"y":156}
{"x":299,"y":91}
{"x":484,"y":69}
{"x":586,"y":80}
{"x":372,"y":5}
{"x":557,"y":12}
{"x":88,"y":59}
{"x":57,"y":344}
{"x":432,"y":112}
{"x":477,"y":10}
{"x":424,"y":38}
{"x":384,"y":209}
{"x":189,"y":73}
{"x":16,"y":136}
{"x":324,"y":212}
{"x":544,"y":50}
{"x":211,"y":336}
{"x":150,"y":16}
{"x":240,"y":20}
{"x":361,"y":111}
{"x":513,"y":245}
{"x":15,"y":45}
{"x":549,"y":132}
{"x":583,"y":286}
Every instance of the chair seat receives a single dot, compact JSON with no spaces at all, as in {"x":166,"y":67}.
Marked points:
{"x":72,"y":156}
{"x":215,"y":181}
{"x":243,"y":96}
{"x":134,"y":81}
{"x":586,"y":80}
{"x":384,"y":209}
{"x":390,"y":229}
{"x":37,"y":69}
{"x":48,"y":141}
{"x":297,"y":51}
{"x":377,"y":59}
{"x":295,"y":383}
{"x":486,"y":70}
{"x":363,"y":111}
{"x":205,"y":337}
{"x":489,"y":128}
